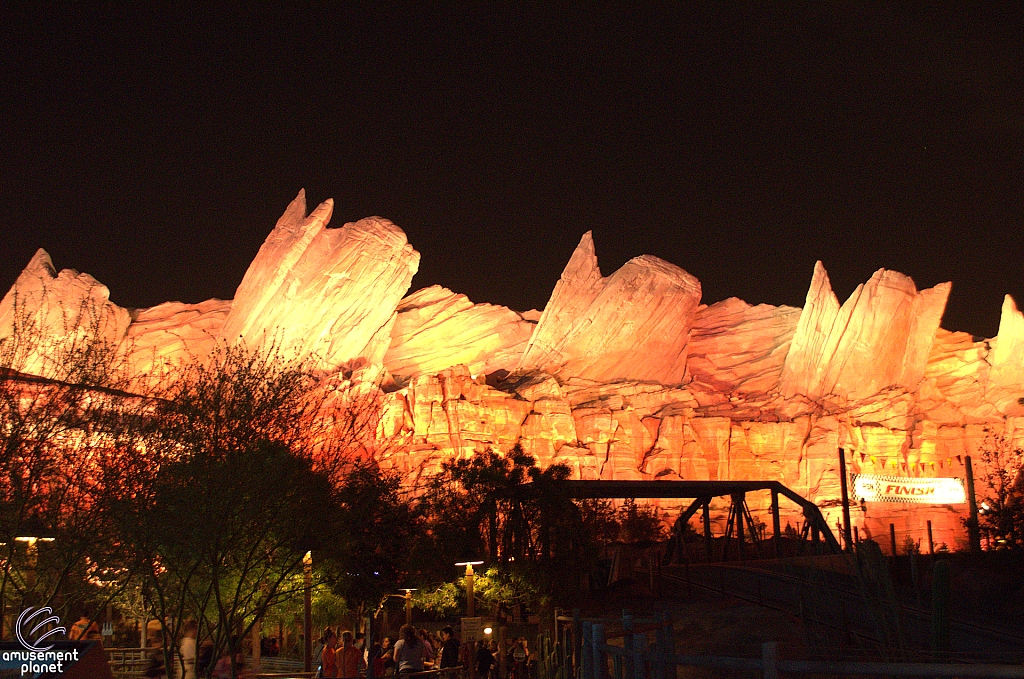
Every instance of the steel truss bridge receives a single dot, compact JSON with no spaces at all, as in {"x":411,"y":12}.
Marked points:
{"x":740,"y":521}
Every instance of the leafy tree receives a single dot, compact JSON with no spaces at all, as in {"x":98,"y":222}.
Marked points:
{"x":1002,"y":505}
{"x":227,"y":533}
{"x":242,"y":485}
{"x":483,"y":506}
{"x":639,"y":523}
{"x":65,"y":452}
{"x":369,"y":556}
{"x":256,"y":459}
{"x":496,"y":587}
{"x":518,"y":517}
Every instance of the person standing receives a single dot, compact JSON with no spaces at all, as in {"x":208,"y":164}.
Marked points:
{"x":387,"y":658}
{"x":409,"y":651}
{"x":85,"y":629}
{"x":329,"y":656}
{"x":187,"y":651}
{"x":425,"y":638}
{"x":350,"y":657}
{"x":321,"y":644}
{"x":518,"y":659}
{"x":484,"y":660}
{"x":449,"y":648}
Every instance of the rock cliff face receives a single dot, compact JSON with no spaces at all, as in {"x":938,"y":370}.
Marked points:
{"x":634,"y":324}
{"x":329,"y":293}
{"x":735,"y":347}
{"x":45,"y":314}
{"x":879,"y":338}
{"x":438,"y":329}
{"x":620,"y":377}
{"x":161,"y":338}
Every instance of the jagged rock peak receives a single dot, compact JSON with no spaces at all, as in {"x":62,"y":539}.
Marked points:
{"x":58,"y":309}
{"x":324,"y":292}
{"x":632,"y":325}
{"x":879,"y":338}
{"x":1007,"y":356}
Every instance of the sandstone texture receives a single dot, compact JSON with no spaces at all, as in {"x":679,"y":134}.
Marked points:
{"x":46,"y":315}
{"x":626,"y":376}
{"x":437,"y":329}
{"x":633,"y":324}
{"x":162,"y":338}
{"x":326,"y":293}
{"x":880,"y":337}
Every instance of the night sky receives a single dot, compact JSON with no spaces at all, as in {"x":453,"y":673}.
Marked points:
{"x":154,"y":146}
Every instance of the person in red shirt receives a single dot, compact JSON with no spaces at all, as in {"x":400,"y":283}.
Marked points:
{"x":350,"y":658}
{"x":328,"y":661}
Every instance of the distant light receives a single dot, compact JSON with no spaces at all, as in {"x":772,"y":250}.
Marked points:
{"x":468,"y":563}
{"x":487,"y":630}
{"x":376,"y":573}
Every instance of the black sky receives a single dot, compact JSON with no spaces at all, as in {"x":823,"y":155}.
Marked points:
{"x":154,"y":146}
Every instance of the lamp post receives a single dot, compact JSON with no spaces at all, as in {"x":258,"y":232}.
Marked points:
{"x":408,"y":604}
{"x":470,"y":596}
{"x":37,"y":535}
{"x":307,"y":622}
{"x":31,"y":542}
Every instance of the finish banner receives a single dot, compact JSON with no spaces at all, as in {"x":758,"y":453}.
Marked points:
{"x":940,"y":491}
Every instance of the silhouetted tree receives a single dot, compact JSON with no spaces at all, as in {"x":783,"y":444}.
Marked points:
{"x":68,"y":446}
{"x":1002,"y":502}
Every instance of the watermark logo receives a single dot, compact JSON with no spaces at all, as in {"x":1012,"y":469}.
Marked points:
{"x":30,"y":617}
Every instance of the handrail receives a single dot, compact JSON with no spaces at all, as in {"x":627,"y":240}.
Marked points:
{"x":432,"y":672}
{"x":634,"y":659}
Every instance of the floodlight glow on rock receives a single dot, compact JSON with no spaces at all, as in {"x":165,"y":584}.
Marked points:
{"x":625,"y":376}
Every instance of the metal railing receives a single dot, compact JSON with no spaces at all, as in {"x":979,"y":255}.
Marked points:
{"x":639,"y":658}
{"x":128,"y":663}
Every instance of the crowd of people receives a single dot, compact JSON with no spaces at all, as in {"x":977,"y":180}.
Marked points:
{"x":416,"y":650}
{"x":345,"y":656}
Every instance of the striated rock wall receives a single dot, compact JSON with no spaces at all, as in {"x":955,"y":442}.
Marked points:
{"x":627,"y":376}
{"x":437,"y":329}
{"x":327,"y":293}
{"x":633,"y":324}
{"x":161,"y":337}
{"x":45,"y":315}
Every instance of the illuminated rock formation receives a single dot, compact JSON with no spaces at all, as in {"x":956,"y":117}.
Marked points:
{"x":438,"y":329}
{"x":879,"y":338}
{"x":326,"y":293}
{"x":47,"y":313}
{"x":620,"y":377}
{"x":632,"y":325}
{"x":1006,"y":377}
{"x":163,"y":337}
{"x":736,"y":347}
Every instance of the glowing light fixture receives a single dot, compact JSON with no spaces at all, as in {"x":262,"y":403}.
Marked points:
{"x":470,"y":594}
